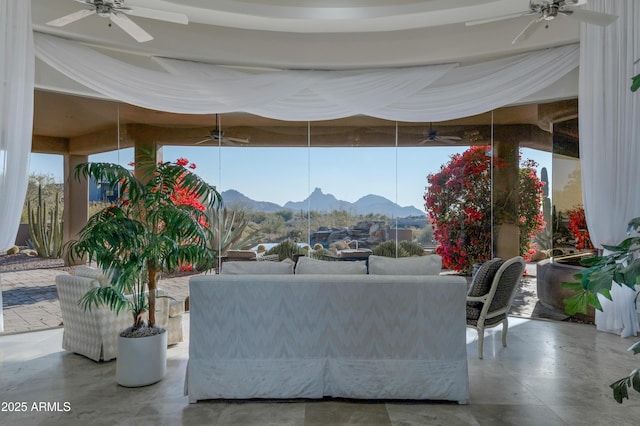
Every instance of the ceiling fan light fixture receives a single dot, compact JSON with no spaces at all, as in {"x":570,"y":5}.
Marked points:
{"x":116,"y":11}
{"x":550,"y":12}
{"x":547,"y":10}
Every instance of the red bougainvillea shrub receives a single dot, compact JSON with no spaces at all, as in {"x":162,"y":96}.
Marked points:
{"x":578,"y":228}
{"x":531,"y":220}
{"x":186,"y":196}
{"x":182,"y":195}
{"x":458,"y":202}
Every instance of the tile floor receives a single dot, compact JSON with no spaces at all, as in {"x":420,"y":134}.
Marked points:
{"x":552,"y":373}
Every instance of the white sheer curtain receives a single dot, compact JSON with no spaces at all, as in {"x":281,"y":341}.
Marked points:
{"x":610,"y":141}
{"x":416,"y":94}
{"x":16,"y":114}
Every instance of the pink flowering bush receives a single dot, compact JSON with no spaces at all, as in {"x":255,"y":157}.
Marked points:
{"x":458,"y":202}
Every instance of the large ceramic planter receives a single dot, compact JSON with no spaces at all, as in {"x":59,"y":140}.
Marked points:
{"x":141,"y":361}
{"x":549,"y":276}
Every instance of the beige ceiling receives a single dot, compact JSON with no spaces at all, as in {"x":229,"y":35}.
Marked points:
{"x":311,"y":34}
{"x":80,"y":125}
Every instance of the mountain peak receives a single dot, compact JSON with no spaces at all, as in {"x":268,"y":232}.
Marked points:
{"x":320,"y":201}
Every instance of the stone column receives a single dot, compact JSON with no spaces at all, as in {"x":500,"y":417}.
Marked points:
{"x":142,"y":151}
{"x":506,"y":233}
{"x":76,"y":203}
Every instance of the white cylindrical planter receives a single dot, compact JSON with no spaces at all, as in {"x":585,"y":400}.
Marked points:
{"x":141,"y":361}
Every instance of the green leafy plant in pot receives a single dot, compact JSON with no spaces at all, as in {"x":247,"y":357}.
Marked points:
{"x":151,"y":228}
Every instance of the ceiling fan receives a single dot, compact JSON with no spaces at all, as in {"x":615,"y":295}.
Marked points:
{"x":432,"y":135}
{"x":548,"y":10}
{"x":116,"y":11}
{"x":217,"y":135}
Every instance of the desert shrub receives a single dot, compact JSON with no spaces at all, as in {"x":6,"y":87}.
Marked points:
{"x":388,"y":249}
{"x":411,"y":248}
{"x":285,"y":249}
{"x":404,"y":249}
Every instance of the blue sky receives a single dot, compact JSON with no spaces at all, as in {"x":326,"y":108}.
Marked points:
{"x":290,"y":174}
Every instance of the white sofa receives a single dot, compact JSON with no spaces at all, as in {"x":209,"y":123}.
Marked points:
{"x":315,"y":335}
{"x":94,"y":333}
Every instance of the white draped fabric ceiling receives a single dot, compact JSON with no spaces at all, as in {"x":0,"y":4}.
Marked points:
{"x":416,"y":94}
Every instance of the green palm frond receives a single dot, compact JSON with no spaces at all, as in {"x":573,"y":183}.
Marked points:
{"x":108,"y":296}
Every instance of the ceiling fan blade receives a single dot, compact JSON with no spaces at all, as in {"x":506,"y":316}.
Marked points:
{"x":591,"y":17}
{"x":130,"y":27}
{"x":73,"y":17}
{"x":449,"y":139}
{"x":203,"y":141}
{"x":160,"y":15}
{"x":497,"y":18}
{"x":440,"y":139}
{"x":528,"y":30}
{"x":237,"y":140}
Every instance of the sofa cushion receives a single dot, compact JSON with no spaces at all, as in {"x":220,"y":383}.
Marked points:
{"x":96,"y":274}
{"x":176,"y":308}
{"x":248,"y":267}
{"x":307,"y":265}
{"x":415,"y":265}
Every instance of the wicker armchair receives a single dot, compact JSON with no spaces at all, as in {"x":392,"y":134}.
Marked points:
{"x":491,"y":294}
{"x":94,"y":333}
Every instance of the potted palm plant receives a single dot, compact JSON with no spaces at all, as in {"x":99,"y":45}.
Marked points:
{"x":157,"y":224}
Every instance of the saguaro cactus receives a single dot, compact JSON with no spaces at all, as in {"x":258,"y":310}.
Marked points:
{"x":45,"y":227}
{"x":545,"y":238}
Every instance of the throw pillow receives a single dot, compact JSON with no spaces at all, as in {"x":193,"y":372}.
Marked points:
{"x":307,"y":265}
{"x":416,"y":265}
{"x":262,"y":268}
